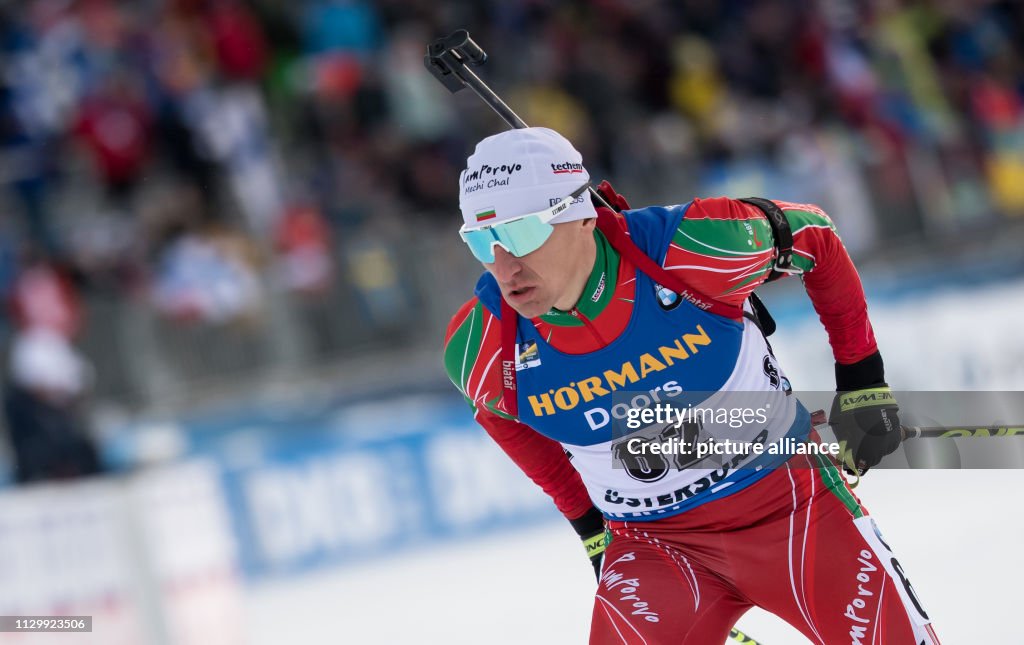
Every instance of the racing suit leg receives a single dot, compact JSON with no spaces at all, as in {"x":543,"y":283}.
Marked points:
{"x":797,"y":543}
{"x":651,"y":592}
{"x":825,"y":568}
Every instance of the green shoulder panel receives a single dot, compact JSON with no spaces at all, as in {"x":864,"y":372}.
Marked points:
{"x":732,"y":238}
{"x":800,"y":219}
{"x":723,"y":237}
{"x":462,"y":346}
{"x":462,"y":349}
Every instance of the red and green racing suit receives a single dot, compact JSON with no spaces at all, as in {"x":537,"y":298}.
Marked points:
{"x":627,"y":332}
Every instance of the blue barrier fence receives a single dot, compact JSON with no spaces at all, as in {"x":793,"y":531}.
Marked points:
{"x":340,"y":482}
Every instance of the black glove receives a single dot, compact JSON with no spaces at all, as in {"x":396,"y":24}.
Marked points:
{"x":590,"y":528}
{"x":865,"y":414}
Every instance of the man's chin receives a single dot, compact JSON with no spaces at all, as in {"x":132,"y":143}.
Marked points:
{"x":527,"y":303}
{"x":529,"y":309}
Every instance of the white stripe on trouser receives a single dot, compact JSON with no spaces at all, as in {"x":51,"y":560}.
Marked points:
{"x":919,"y":620}
{"x":804,"y":612}
{"x":624,"y":619}
{"x":611,"y":621}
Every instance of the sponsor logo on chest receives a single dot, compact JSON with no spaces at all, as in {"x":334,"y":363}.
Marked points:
{"x":587,"y":389}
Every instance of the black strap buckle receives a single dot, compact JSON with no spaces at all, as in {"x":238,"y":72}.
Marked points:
{"x":782,"y":236}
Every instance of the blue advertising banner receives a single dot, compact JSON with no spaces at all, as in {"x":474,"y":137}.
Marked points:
{"x":366,"y":480}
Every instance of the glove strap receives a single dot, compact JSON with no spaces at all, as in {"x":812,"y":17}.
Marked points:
{"x":596,"y":544}
{"x":590,"y":528}
{"x":866,"y":398}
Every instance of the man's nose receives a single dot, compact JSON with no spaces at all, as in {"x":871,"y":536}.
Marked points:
{"x":506,"y":265}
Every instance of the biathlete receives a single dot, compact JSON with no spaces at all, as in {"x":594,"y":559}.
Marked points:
{"x":584,"y":313}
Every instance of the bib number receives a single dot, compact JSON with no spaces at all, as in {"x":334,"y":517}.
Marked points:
{"x":676,"y":449}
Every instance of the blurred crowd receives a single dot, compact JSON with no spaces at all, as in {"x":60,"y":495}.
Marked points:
{"x":189,"y":155}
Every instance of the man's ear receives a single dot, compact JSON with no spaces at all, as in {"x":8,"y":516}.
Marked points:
{"x":589,"y":223}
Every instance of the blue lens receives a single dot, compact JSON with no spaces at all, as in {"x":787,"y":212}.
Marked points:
{"x":518,"y":237}
{"x":481,"y":243}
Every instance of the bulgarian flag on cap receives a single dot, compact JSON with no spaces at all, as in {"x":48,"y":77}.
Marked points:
{"x":486,"y":215}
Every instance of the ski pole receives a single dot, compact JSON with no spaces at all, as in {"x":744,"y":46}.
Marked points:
{"x":449,"y":60}
{"x":818,"y":418}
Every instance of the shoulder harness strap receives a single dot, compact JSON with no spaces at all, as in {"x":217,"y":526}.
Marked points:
{"x":509,"y":323}
{"x":625,"y":246}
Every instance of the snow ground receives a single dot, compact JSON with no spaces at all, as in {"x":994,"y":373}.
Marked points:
{"x":956,"y":532}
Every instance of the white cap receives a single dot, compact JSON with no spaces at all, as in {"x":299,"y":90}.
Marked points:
{"x":522,"y":171}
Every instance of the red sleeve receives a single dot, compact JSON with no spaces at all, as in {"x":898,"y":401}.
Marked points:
{"x":723,"y":248}
{"x":833,"y":285}
{"x":543,"y":460}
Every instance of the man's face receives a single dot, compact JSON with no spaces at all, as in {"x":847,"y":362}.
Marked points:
{"x":551,"y":276}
